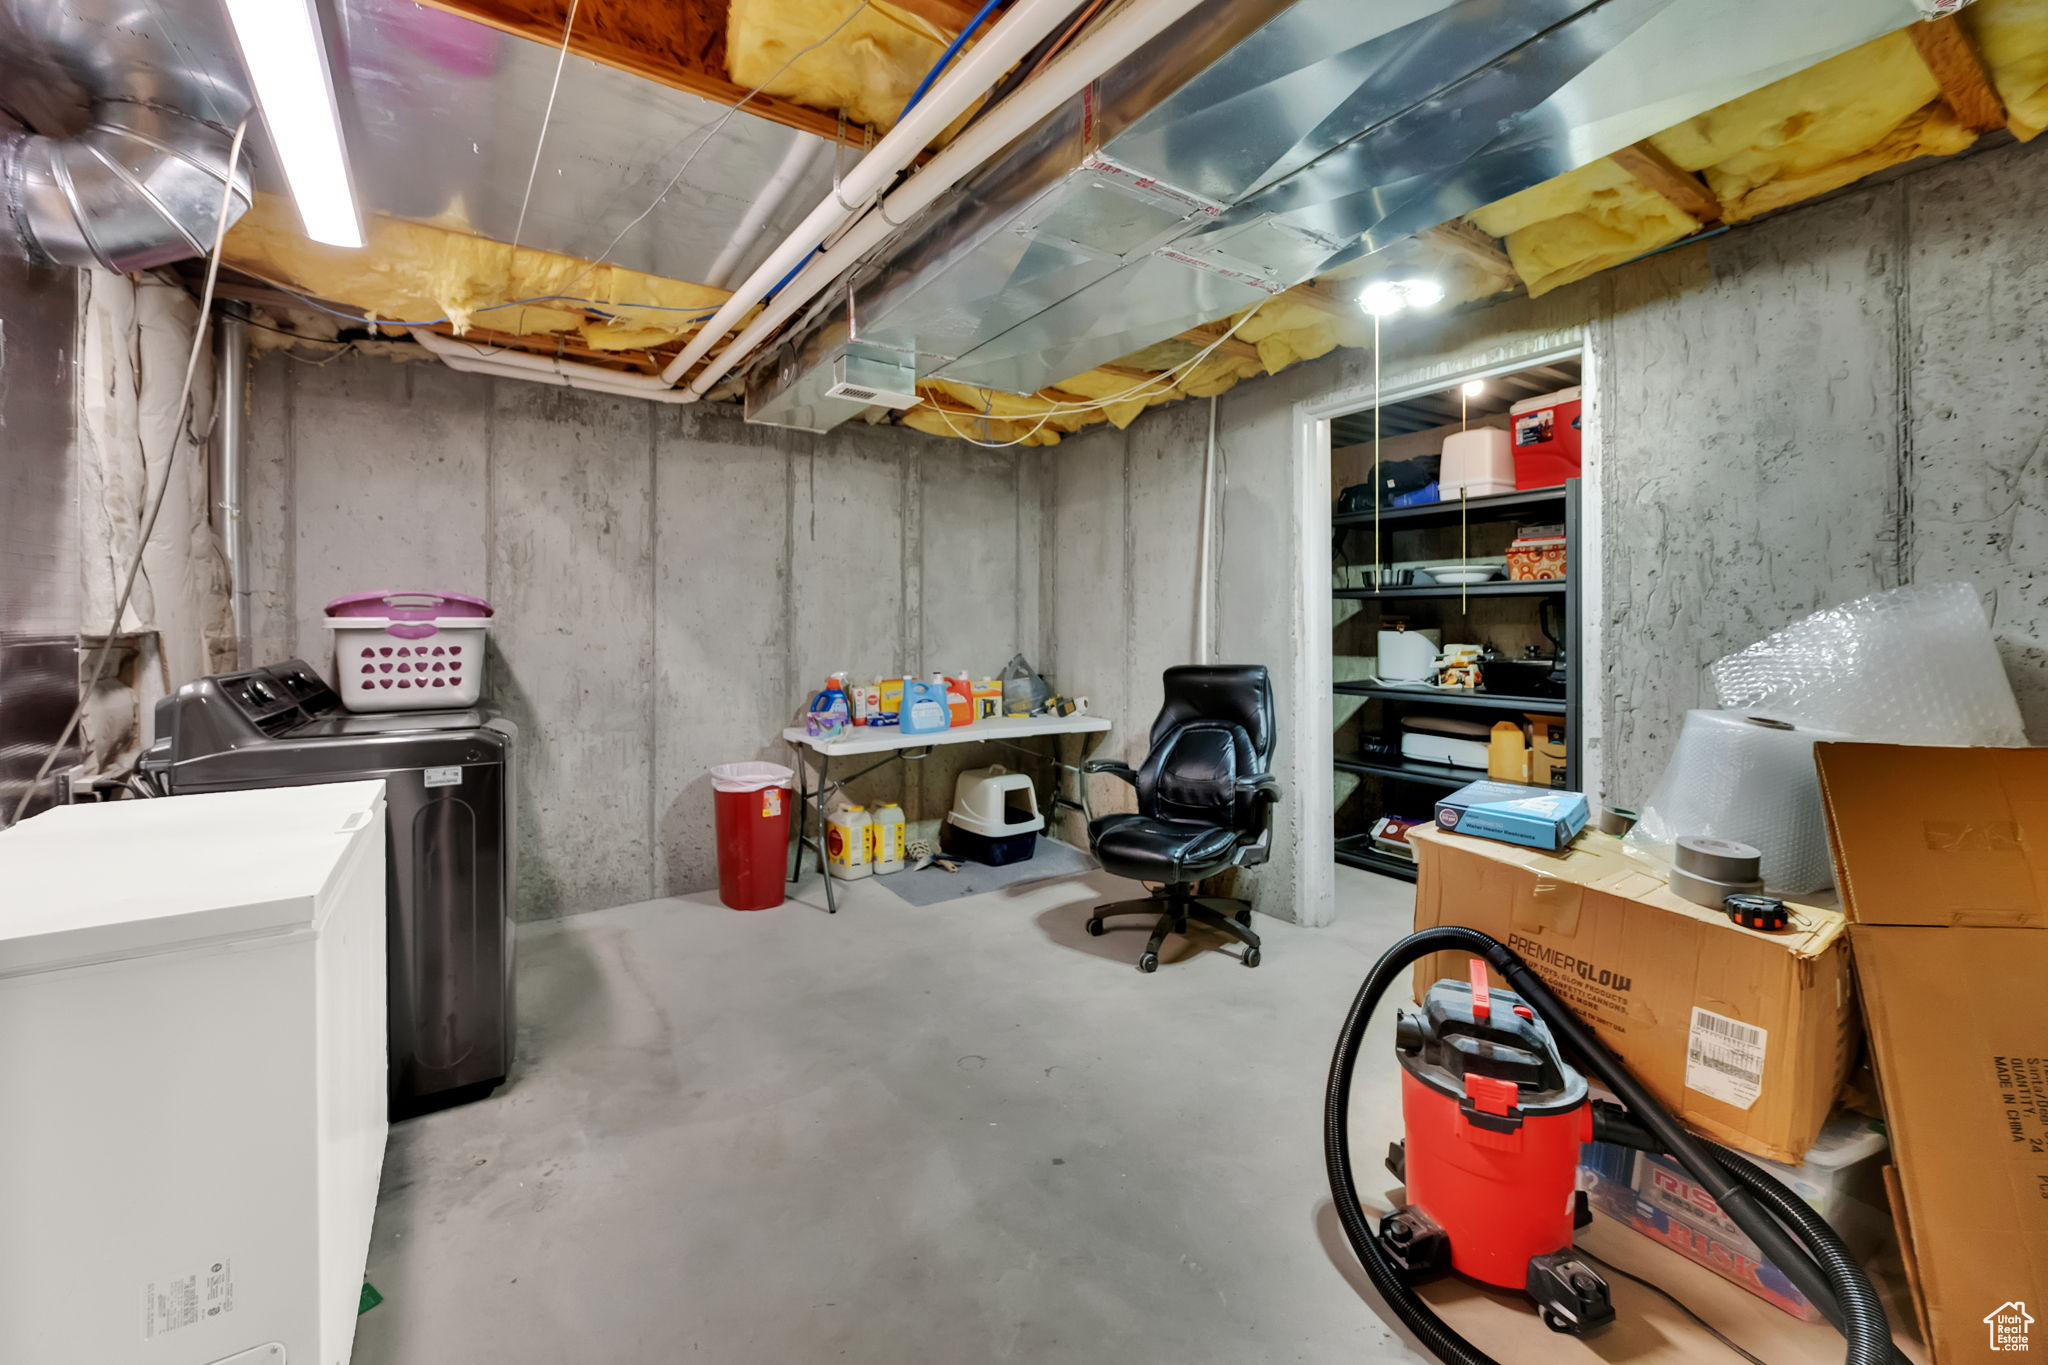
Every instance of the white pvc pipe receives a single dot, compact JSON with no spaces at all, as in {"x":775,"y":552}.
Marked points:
{"x":1098,"y":51}
{"x":494,"y":360}
{"x":795,"y":166}
{"x":1204,"y":535}
{"x":971,"y":76}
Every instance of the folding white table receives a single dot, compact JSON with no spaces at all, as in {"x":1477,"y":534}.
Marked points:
{"x":890,"y":740}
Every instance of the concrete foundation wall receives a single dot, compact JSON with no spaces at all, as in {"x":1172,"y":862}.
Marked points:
{"x":1833,"y":402}
{"x":670,"y":583}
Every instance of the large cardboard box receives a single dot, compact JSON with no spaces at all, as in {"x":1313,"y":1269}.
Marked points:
{"x":1942,"y":860}
{"x":1745,"y":1036}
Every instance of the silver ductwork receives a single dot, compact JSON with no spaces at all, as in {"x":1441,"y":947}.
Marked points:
{"x":1199,"y":177}
{"x":139,"y":182}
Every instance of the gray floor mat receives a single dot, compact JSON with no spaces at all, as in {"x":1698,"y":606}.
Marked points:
{"x":934,"y":885}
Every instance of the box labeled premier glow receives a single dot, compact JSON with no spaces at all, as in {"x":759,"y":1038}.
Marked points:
{"x":1513,"y":814}
{"x":1744,"y":1036}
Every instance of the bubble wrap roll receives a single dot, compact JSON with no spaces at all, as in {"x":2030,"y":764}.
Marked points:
{"x":1916,"y":665}
{"x":1735,"y":777}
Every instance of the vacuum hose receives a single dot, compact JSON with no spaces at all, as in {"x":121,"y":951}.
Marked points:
{"x":1785,"y":1228}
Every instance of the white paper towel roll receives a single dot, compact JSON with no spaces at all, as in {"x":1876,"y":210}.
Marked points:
{"x":1734,"y":776}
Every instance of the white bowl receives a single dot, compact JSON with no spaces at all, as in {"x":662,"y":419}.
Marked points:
{"x":1461,"y":575}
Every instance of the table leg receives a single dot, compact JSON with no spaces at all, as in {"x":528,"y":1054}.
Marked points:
{"x":824,"y":867}
{"x":803,"y":815}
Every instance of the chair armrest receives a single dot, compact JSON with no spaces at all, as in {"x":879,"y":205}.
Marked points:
{"x":1113,"y":766}
{"x":1263,"y":787}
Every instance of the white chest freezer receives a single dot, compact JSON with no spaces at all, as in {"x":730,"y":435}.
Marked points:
{"x":192,"y":1098}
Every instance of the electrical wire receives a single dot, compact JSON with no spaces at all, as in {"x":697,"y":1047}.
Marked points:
{"x":201,"y":326}
{"x":714,"y":130}
{"x":547,"y":117}
{"x":946,"y":57}
{"x":1680,"y":1304}
{"x":1053,"y":51}
{"x":367,"y":321}
{"x":1165,"y":377}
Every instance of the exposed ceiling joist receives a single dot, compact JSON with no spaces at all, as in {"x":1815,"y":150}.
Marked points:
{"x":950,"y":15}
{"x":1460,"y":238}
{"x":1317,"y":296}
{"x":676,"y":43}
{"x":1686,"y":191}
{"x":1946,"y":48}
{"x":1212,"y":333}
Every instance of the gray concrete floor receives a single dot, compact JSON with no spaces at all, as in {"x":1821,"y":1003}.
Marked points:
{"x":953,"y":1134}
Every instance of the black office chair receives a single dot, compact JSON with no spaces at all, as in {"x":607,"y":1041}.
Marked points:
{"x":1205,"y":804}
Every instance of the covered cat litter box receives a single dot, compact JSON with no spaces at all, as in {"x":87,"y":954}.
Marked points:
{"x":409,"y":651}
{"x":995,"y":817}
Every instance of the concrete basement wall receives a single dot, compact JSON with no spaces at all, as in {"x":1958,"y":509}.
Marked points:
{"x":670,"y":583}
{"x":1836,"y":401}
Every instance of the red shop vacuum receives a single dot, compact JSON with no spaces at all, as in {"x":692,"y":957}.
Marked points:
{"x":1495,"y":1106}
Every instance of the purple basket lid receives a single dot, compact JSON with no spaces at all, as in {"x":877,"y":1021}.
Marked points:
{"x":408,"y":606}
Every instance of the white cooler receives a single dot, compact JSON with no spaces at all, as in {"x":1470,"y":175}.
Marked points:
{"x":192,"y":1066}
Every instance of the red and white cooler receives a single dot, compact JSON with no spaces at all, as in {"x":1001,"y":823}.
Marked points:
{"x":1546,"y":439}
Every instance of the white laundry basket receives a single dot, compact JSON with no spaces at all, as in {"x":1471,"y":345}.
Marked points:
{"x":408,"y":651}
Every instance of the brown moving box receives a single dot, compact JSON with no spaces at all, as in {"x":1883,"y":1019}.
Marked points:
{"x":1943,"y":860}
{"x":1745,"y":1036}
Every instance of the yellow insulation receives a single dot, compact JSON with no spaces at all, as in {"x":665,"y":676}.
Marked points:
{"x":417,"y":272}
{"x":867,"y":70}
{"x":1581,"y":222}
{"x":2012,"y":37}
{"x":1817,"y":130}
{"x":1871,"y":107}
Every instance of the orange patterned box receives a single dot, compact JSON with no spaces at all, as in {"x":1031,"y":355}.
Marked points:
{"x":1535,"y":561}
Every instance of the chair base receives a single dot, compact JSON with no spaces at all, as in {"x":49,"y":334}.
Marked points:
{"x":1176,"y":906}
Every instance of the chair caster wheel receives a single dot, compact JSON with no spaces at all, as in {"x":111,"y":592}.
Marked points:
{"x":1251,"y":957}
{"x":1149,"y":962}
{"x":1095,"y":927}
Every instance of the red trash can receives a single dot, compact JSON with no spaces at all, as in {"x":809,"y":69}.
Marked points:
{"x":752,"y":801}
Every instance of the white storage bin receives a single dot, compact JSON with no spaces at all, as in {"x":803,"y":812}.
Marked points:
{"x":995,"y":803}
{"x":408,"y":651}
{"x":1477,"y":462}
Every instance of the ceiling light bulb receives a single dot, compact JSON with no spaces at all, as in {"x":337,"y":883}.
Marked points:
{"x":1382,"y":298}
{"x":287,"y":63}
{"x":1474,"y":387}
{"x":1423,"y":293}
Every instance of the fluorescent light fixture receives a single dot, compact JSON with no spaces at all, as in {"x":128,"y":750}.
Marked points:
{"x":1382,"y":298}
{"x":1474,"y":387}
{"x":287,"y":61}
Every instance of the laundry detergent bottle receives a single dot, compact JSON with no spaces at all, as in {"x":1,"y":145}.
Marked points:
{"x":925,"y":710}
{"x":831,"y":700}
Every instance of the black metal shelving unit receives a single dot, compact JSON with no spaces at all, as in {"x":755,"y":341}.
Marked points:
{"x":1354,"y":845}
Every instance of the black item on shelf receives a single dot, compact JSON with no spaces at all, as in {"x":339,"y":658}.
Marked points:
{"x":1523,"y":677}
{"x":1395,"y":478}
{"x":1371,"y":745}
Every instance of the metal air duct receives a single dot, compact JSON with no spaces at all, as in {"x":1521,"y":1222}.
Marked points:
{"x":139,"y":185}
{"x":1207,"y":173}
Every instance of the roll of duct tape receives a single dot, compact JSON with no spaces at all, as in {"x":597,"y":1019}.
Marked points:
{"x":1720,"y":860}
{"x":1615,"y":820}
{"x":1709,"y":891}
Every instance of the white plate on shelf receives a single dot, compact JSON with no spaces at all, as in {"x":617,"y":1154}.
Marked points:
{"x":1461,"y":575}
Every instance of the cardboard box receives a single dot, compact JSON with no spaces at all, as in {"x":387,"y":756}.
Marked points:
{"x":1942,"y":859}
{"x":1842,"y":1178}
{"x":1513,"y":814}
{"x":1743,"y":1035}
{"x":1547,"y":759}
